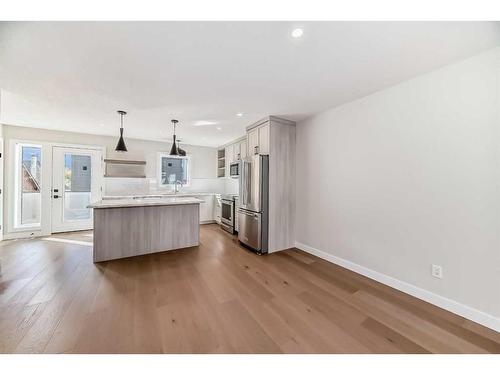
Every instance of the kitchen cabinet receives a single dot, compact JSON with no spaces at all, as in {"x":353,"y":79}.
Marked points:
{"x":253,"y":141}
{"x":206,"y":208}
{"x":264,"y":139}
{"x":236,"y":151}
{"x":221,"y":162}
{"x":275,"y":137}
{"x":217,"y":208}
{"x":232,"y":153}
{"x":236,"y":207}
{"x":258,"y":140}
{"x":239,"y":150}
{"x":229,"y":158}
{"x":243,"y":149}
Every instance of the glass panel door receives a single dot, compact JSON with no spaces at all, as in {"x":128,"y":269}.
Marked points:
{"x":76,"y":183}
{"x":77,"y":187}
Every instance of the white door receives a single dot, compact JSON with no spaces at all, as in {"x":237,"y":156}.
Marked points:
{"x":76,"y":182}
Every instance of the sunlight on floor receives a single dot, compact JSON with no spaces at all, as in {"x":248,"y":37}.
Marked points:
{"x":54,"y":239}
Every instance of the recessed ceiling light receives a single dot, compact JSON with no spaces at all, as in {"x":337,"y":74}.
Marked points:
{"x":219,"y":128}
{"x":297,"y":33}
{"x":239,"y":114}
{"x":204,"y":123}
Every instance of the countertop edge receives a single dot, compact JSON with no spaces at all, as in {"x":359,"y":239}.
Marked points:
{"x":124,"y":204}
{"x":162,"y":196}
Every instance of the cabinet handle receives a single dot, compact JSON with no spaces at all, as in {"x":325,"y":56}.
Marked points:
{"x":256,"y":150}
{"x":239,"y":156}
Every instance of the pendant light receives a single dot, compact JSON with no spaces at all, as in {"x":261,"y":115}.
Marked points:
{"x":120,"y":146}
{"x":179,"y":149}
{"x":174,"y":150}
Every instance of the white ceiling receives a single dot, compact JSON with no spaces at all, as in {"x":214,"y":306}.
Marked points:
{"x":75,"y":75}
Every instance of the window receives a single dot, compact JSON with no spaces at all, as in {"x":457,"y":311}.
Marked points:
{"x":77,"y":187}
{"x":28,"y":200}
{"x":173,"y":169}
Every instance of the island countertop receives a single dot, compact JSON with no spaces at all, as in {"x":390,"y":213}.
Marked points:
{"x":158,"y":195}
{"x":130,"y":227}
{"x":143,"y":202}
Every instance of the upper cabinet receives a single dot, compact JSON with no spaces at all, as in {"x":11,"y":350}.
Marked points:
{"x":230,"y":153}
{"x":253,"y":141}
{"x":264,"y":139}
{"x":243,"y":149}
{"x":258,"y":140}
{"x":221,"y":162}
{"x":239,"y":150}
{"x":229,"y":158}
{"x":236,"y":151}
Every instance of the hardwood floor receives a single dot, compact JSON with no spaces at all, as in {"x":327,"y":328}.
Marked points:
{"x":214,"y":298}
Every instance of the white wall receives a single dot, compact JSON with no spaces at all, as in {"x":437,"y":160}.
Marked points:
{"x":408,"y":177}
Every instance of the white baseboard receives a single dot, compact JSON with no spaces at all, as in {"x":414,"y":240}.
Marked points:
{"x":22,"y":235}
{"x":455,"y":307}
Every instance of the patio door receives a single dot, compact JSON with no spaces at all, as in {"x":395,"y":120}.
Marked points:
{"x":76,"y":182}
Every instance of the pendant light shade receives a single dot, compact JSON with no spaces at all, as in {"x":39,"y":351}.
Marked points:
{"x":179,"y":149}
{"x":174,"y":150}
{"x":120,"y":146}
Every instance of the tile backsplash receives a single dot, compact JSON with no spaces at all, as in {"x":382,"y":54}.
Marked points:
{"x":144,"y":186}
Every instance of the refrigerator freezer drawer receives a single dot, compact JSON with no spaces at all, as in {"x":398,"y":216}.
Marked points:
{"x":249,"y":233}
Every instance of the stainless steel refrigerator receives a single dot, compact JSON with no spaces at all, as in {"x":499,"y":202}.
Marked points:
{"x":253,"y":210}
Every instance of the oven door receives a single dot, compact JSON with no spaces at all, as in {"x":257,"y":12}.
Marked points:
{"x":227,"y":212}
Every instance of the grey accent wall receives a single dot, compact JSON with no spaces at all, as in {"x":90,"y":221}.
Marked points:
{"x":409,"y":177}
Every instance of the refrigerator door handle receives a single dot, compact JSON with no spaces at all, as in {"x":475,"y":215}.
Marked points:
{"x":248,"y":182}
{"x":244,"y":183}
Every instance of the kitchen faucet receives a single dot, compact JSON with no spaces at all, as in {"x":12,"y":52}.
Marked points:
{"x":177,"y":183}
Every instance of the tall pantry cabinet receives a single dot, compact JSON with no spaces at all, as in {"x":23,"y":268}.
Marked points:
{"x":275,"y":137}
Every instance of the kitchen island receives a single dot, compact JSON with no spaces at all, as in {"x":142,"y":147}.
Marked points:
{"x":129,"y":227}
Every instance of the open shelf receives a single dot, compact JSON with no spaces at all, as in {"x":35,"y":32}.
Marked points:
{"x":123,"y":168}
{"x":221,"y":162}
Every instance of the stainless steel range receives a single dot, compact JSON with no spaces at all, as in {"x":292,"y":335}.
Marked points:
{"x":227,"y":216}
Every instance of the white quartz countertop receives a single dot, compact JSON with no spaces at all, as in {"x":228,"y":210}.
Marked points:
{"x":145,"y":201}
{"x":159,"y":196}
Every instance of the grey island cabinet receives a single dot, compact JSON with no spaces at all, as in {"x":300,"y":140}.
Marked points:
{"x":129,"y":227}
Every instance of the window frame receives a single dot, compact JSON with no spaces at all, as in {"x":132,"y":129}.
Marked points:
{"x":17,"y":211}
{"x":162,"y":155}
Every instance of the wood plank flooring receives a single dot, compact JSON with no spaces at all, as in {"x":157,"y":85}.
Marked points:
{"x":214,"y":298}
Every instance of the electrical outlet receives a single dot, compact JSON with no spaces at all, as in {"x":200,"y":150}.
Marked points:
{"x":437,"y":271}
